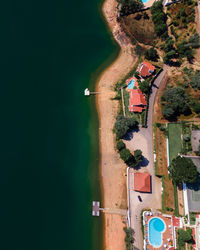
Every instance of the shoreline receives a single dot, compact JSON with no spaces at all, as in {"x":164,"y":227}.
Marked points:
{"x":112,"y":170}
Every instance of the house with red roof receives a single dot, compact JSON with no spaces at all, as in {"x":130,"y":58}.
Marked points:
{"x":142,"y":182}
{"x":137,"y":101}
{"x":145,"y":69}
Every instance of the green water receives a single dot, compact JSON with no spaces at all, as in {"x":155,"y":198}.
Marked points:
{"x":49,"y":51}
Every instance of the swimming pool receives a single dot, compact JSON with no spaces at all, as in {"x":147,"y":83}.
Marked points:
{"x":131,"y":84}
{"x":144,"y":1}
{"x":156,"y":228}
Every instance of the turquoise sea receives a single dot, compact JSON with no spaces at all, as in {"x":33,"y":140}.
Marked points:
{"x":50,"y":51}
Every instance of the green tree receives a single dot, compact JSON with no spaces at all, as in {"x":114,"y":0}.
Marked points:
{"x":151,"y":54}
{"x":129,"y":6}
{"x":123,"y":124}
{"x":175,"y":102}
{"x":144,"y":86}
{"x":126,"y":156}
{"x":183,"y":237}
{"x":168,"y":112}
{"x":196,"y":107}
{"x":159,"y":18}
{"x":183,"y":170}
{"x":138,"y":157}
{"x":120,"y":145}
{"x":195,"y":79}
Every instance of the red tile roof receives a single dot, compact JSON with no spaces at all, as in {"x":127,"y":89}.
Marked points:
{"x":137,"y":101}
{"x":142,"y":182}
{"x":145,"y":69}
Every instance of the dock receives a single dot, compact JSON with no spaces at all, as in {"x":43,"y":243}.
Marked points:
{"x":87,"y":92}
{"x":95,"y":208}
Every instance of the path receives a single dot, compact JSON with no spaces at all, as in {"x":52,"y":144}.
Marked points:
{"x":114,"y":211}
{"x":143,"y":139}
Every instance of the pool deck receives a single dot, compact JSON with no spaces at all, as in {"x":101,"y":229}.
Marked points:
{"x":168,"y":236}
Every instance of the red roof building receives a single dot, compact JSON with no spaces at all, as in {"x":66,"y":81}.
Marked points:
{"x":145,"y":69}
{"x":142,"y":182}
{"x":137,"y":101}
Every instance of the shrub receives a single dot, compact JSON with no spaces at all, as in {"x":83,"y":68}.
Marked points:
{"x":129,"y":238}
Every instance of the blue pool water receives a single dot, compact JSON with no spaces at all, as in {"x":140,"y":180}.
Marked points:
{"x":144,"y":1}
{"x":131,"y":84}
{"x":156,"y":228}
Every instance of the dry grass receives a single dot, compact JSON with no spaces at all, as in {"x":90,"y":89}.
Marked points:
{"x":161,"y":152}
{"x":142,"y":30}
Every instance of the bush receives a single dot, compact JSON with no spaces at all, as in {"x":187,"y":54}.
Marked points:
{"x":129,"y":238}
{"x":120,"y":145}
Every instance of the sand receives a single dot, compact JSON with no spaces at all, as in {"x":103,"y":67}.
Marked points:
{"x":112,"y":169}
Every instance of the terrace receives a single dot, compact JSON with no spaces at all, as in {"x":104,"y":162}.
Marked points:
{"x":159,"y":230}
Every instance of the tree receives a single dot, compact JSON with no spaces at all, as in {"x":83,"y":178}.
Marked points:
{"x":175,"y":102}
{"x":183,"y":170}
{"x":151,"y":54}
{"x":159,"y":18}
{"x":144,"y":86}
{"x":126,"y":156}
{"x":183,"y":237}
{"x":120,"y":145}
{"x":129,"y":6}
{"x":168,"y":112}
{"x":196,"y":107}
{"x":123,"y":124}
{"x":129,"y":238}
{"x":138,"y":157}
{"x":195,"y":80}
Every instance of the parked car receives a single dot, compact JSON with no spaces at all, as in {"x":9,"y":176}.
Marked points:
{"x":139,"y":198}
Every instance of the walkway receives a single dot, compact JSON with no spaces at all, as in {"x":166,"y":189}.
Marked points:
{"x":143,"y":139}
{"x":114,"y":211}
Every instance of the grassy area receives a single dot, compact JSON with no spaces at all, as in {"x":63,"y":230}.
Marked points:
{"x":175,"y":142}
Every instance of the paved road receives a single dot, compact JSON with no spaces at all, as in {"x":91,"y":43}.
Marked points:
{"x":143,"y":139}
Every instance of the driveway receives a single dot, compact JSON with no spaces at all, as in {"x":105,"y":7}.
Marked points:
{"x":143,"y":140}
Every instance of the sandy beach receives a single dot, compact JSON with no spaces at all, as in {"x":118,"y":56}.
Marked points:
{"x":112,"y":169}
